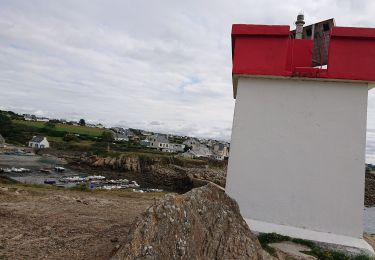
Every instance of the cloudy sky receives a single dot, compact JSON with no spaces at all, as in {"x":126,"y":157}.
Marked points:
{"x":158,"y":65}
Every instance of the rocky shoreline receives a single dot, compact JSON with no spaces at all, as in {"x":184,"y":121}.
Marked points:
{"x":370,"y":190}
{"x":155,"y":172}
{"x":171,"y":174}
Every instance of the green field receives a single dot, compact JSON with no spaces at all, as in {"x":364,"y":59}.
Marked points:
{"x":81,"y":130}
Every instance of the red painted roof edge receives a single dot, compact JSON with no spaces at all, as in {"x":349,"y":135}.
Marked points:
{"x":353,"y":32}
{"x":239,"y":30}
{"x":257,"y":29}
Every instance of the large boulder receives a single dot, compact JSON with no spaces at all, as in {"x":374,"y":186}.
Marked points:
{"x":204,"y":223}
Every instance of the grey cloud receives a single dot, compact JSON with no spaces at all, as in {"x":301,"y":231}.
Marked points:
{"x":156,"y":123}
{"x":135,"y":62}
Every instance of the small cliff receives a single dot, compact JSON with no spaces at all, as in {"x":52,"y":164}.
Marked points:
{"x":370,"y":190}
{"x":166,"y":172}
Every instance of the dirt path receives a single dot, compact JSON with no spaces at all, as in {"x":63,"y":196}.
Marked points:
{"x":45,"y":223}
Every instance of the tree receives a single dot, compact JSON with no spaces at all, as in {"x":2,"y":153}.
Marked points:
{"x":5,"y":125}
{"x":82,"y":122}
{"x":50,"y":124}
{"x":187,"y":148}
{"x":107,"y":136}
{"x":70,"y":137}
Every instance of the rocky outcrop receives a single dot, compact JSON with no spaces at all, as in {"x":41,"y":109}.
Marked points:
{"x":148,"y":171}
{"x":215,"y":175}
{"x":202,"y":224}
{"x":127,"y":163}
{"x":370,"y":190}
{"x":165,"y":172}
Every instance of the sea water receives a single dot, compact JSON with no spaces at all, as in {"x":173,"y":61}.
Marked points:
{"x":369,"y":220}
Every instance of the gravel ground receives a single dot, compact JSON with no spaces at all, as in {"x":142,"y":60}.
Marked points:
{"x":47,"y":223}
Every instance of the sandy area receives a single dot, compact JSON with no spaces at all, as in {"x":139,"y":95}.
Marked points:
{"x":47,"y":223}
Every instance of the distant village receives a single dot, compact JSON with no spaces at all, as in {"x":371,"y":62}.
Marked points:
{"x":185,"y":146}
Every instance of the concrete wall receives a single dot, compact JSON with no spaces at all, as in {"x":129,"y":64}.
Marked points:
{"x":298,"y":153}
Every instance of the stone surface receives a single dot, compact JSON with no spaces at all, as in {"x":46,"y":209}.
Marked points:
{"x":370,"y":238}
{"x":202,"y":224}
{"x":290,"y":250}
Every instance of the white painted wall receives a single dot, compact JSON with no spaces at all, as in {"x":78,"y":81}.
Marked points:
{"x":298,"y":153}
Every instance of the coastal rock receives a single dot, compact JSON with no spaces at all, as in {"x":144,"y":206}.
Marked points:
{"x":164,"y":172}
{"x":287,"y":250}
{"x":215,"y":175}
{"x":128,"y":163}
{"x":201,"y":224}
{"x":370,"y":190}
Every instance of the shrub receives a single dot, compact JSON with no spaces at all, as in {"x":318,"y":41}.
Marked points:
{"x":70,"y":137}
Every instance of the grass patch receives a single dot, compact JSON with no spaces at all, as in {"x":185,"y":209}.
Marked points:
{"x":324,"y":254}
{"x":81,"y":187}
{"x":55,"y":139}
{"x":6,"y":180}
{"x":36,"y":186}
{"x":34,"y":124}
{"x":81,"y":130}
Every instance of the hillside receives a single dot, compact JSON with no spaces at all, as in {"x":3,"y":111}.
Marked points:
{"x":64,"y":128}
{"x":18,"y":131}
{"x":63,"y":136}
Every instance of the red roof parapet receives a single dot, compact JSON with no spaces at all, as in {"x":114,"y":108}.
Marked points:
{"x":271,"y":51}
{"x":351,"y":54}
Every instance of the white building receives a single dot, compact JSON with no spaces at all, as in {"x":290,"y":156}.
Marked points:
{"x":145,"y":143}
{"x":220,"y":151}
{"x":39,"y":142}
{"x":161,"y":142}
{"x":191,"y":142}
{"x":177,"y":148}
{"x":119,"y":136}
{"x":42,"y":119}
{"x":298,"y":142}
{"x":198,"y":151}
{"x":158,"y":141}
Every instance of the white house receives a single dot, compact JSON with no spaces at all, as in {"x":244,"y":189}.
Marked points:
{"x":177,"y":147}
{"x":119,"y":136}
{"x":220,"y":151}
{"x":39,"y":142}
{"x":199,"y":151}
{"x":145,"y":143}
{"x":162,"y":143}
{"x":192,"y":142}
{"x":124,"y":133}
{"x":42,"y":119}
